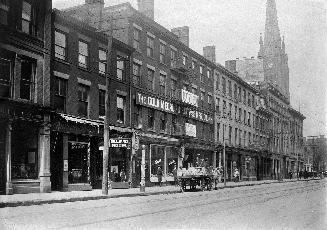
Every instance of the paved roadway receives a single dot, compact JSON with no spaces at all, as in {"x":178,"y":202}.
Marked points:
{"x":296,"y":205}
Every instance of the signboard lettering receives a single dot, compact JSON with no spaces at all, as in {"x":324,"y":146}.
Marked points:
{"x":155,"y":103}
{"x":120,"y":143}
{"x":189,"y":98}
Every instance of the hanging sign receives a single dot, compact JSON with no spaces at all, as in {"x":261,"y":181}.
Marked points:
{"x":120,"y":143}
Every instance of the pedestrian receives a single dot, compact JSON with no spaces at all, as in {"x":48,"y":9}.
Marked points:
{"x":300,"y":174}
{"x":236,"y":175}
{"x":159,"y":175}
{"x":290,"y":175}
{"x":175,"y":175}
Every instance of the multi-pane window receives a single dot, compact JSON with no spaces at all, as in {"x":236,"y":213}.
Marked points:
{"x":28,"y":18}
{"x":136,"y":74}
{"x":174,"y":123}
{"x":102,"y":103}
{"x":209,"y":99}
{"x":252,"y":101}
{"x":229,"y":88}
{"x":163,"y":121}
{"x":149,"y":46}
{"x":136,"y":39}
{"x":150,"y":82}
{"x":249,"y":119}
{"x":151,"y":118}
{"x":162,"y":84}
{"x":230,"y":135}
{"x":235,"y":91}
{"x":209,"y":73}
{"x":244,"y":97}
{"x":184,"y":59}
{"x":201,"y":73}
{"x":27,"y":78}
{"x":173,"y":55}
{"x":244,"y":136}
{"x":202,"y":96}
{"x":235,"y":136}
{"x":224,"y":85}
{"x":239,"y":94}
{"x":4,"y":10}
{"x":218,"y":130}
{"x":83,"y":53}
{"x":102,"y":61}
{"x":193,"y":64}
{"x":60,"y":45}
{"x":249,"y":99}
{"x":60,"y":94}
{"x":240,"y":137}
{"x":120,"y":68}
{"x":120,"y":109}
{"x":138,"y":117}
{"x":244,"y":117}
{"x":5,"y":78}
{"x":224,"y":107}
{"x":230,"y":110}
{"x":240,"y":115}
{"x":162,"y":53}
{"x":235,"y":112}
{"x":83,"y":95}
{"x":173,"y":84}
{"x":218,"y":105}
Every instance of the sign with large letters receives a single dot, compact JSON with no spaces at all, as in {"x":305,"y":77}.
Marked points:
{"x":120,"y":143}
{"x":155,"y":103}
{"x":189,"y":98}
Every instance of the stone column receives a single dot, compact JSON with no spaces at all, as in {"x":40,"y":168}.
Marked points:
{"x":9,"y":188}
{"x":44,"y":148}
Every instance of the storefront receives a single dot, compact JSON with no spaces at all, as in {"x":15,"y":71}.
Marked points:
{"x":24,"y":145}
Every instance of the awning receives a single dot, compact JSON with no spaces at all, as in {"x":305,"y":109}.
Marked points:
{"x":81,"y":120}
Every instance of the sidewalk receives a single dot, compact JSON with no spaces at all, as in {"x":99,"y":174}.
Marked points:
{"x":62,"y":197}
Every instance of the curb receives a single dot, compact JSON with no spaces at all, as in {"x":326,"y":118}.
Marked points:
{"x":75,"y":199}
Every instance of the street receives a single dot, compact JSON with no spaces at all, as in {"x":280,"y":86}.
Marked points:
{"x":295,"y":205}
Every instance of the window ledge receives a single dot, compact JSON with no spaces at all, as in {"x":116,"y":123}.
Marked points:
{"x":62,"y":61}
{"x":84,"y":69}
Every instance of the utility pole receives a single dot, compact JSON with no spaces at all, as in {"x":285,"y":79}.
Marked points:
{"x":106,"y":131}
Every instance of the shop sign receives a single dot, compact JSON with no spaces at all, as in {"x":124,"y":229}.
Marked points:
{"x":155,"y":103}
{"x":190,"y":130}
{"x":198,"y":115}
{"x":137,"y":142}
{"x":190,"y":98}
{"x":120,"y":143}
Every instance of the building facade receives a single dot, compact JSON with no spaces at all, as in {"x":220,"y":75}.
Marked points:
{"x":315,"y":155}
{"x":172,"y":105}
{"x":25,"y":99}
{"x":78,"y":87}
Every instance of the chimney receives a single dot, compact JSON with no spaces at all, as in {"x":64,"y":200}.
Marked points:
{"x":146,"y":7}
{"x":182,"y":34}
{"x":209,"y":52}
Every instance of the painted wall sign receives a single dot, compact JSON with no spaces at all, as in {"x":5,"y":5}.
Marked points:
{"x":155,"y":103}
{"x":120,"y":143}
{"x":189,"y":98}
{"x":198,"y":115}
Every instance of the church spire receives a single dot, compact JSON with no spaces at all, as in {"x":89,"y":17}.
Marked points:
{"x":272,"y":40}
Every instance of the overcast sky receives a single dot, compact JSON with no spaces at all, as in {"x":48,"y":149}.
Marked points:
{"x":234,"y":27}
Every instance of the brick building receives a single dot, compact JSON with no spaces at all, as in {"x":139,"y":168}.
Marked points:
{"x":172,"y":94}
{"x":315,"y":156}
{"x":78,"y":86}
{"x":24,"y":96}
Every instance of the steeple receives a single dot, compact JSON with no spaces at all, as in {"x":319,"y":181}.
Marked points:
{"x":272,"y":40}
{"x":260,"y":53}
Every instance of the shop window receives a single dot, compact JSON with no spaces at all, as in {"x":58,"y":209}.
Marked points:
{"x":24,"y":151}
{"x":120,"y":109}
{"x":136,"y":74}
{"x":150,"y":46}
{"x":5,"y":78}
{"x":157,"y":160}
{"x":60,"y":94}
{"x":102,"y":104}
{"x":102,"y":61}
{"x":4,"y":11}
{"x":150,"y":82}
{"x":27,"y":78}
{"x":162,"y":53}
{"x":83,"y":94}
{"x":173,"y":55}
{"x":162,"y":84}
{"x":77,"y":162}
{"x":120,"y":68}
{"x":28,"y":18}
{"x":136,"y":39}
{"x":151,"y":118}
{"x":163,"y":121}
{"x":171,"y":161}
{"x":60,"y":45}
{"x":83,"y":53}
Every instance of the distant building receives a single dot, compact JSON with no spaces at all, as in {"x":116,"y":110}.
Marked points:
{"x":315,"y":155}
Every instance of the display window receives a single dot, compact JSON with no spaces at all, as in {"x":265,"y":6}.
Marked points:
{"x":157,"y":155}
{"x":171,"y":162}
{"x":24,"y":152}
{"x":77,"y":162}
